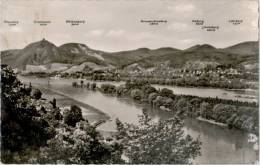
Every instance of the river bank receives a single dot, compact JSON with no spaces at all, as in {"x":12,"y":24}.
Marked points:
{"x":65,"y":100}
{"x":211,"y":122}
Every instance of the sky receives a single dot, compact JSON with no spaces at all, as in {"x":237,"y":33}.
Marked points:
{"x":115,"y":25}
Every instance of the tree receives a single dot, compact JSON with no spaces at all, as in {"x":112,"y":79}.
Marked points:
{"x":152,"y":96}
{"x":93,"y":86}
{"x":166,"y":92}
{"x":88,"y":84}
{"x":120,"y":90}
{"x":181,"y":104}
{"x":168,"y":102}
{"x":81,"y":83}
{"x":147,"y":89}
{"x":163,"y":142}
{"x":204,"y":108}
{"x":108,"y":88}
{"x":136,"y":94}
{"x":21,"y":124}
{"x":72,"y":116}
{"x":53,"y":103}
{"x":34,"y":133}
{"x":158,"y":101}
{"x":80,"y":145}
{"x":75,"y":84}
{"x":222,"y":112}
{"x":37,"y":94}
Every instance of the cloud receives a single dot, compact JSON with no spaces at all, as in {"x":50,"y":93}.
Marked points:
{"x":16,"y":29}
{"x":8,"y":29}
{"x":115,"y":33}
{"x":95,"y":33}
{"x":253,"y":6}
{"x":178,"y":26}
{"x":254,"y":24}
{"x":141,"y":36}
{"x":182,"y":8}
{"x":187,"y":41}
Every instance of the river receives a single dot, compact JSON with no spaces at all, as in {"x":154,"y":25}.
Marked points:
{"x":219,"y":145}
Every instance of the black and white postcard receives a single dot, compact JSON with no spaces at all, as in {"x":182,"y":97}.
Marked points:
{"x":129,"y":81}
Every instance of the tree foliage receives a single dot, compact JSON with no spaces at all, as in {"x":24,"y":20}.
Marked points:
{"x":73,"y":115}
{"x":37,"y":94}
{"x":154,"y":143}
{"x":166,"y":92}
{"x":32,"y":130}
{"x":136,"y":94}
{"x":22,"y":126}
{"x":81,"y":145}
{"x":236,"y":114}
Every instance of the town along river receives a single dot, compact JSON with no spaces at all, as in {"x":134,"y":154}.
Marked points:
{"x":219,"y":144}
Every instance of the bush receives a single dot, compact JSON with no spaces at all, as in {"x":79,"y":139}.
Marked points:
{"x":74,"y":84}
{"x":37,"y":136}
{"x":21,"y":124}
{"x":93,"y":86}
{"x":81,"y":145}
{"x":147,"y":89}
{"x":136,"y":94}
{"x":72,"y":116}
{"x":157,"y":143}
{"x":205,"y":109}
{"x":152,"y":96}
{"x":37,"y":94}
{"x":158,"y":101}
{"x":121,"y":90}
{"x":108,"y":88}
{"x":166,"y":92}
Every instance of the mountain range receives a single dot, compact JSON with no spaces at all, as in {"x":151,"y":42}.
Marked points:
{"x":45,"y":53}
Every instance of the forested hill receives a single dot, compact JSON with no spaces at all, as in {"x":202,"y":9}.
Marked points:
{"x":46,"y":53}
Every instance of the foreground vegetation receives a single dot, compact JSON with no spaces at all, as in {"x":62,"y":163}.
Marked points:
{"x":37,"y":131}
{"x":235,"y":114}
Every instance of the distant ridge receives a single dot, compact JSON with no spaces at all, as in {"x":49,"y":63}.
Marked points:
{"x":249,"y":47}
{"x":44,"y":52}
{"x":204,"y":47}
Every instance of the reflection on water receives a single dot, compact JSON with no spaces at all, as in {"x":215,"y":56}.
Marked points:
{"x":219,"y":145}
